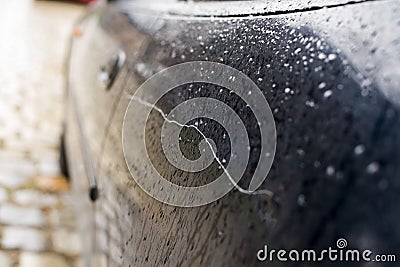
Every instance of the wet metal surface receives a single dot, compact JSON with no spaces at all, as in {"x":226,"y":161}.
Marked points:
{"x":334,"y":103}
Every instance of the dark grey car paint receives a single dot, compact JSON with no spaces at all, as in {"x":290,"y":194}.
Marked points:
{"x":336,"y":172}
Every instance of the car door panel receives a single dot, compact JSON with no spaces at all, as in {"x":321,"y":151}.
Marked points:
{"x":325,"y":107}
{"x":91,"y":105}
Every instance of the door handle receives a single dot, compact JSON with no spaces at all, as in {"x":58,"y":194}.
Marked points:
{"x":110,"y":70}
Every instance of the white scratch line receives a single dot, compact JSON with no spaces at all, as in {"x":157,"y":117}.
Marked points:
{"x":239,"y":188}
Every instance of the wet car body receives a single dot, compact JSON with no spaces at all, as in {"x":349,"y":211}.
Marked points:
{"x":329,"y":71}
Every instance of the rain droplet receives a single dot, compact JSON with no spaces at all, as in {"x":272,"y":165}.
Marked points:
{"x":330,"y":170}
{"x":321,"y":56}
{"x":300,"y":152}
{"x":317,"y":69}
{"x":173,"y":54}
{"x":358,"y":150}
{"x":287,"y":90}
{"x":372,"y":168}
{"x":310,"y":103}
{"x":322,"y":85}
{"x":301,"y":200}
{"x":298,"y":50}
{"x":331,"y":57}
{"x":364,"y":92}
{"x":327,"y":93}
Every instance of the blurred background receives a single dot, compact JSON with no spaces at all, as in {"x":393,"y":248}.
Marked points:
{"x":37,"y":221}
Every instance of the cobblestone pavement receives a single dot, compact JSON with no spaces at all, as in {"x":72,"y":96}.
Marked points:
{"x":37,"y":222}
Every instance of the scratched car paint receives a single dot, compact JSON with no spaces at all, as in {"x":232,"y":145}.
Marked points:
{"x":330,"y":72}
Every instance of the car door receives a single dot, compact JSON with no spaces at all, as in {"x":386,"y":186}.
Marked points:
{"x":331,"y":115}
{"x":96,"y":73}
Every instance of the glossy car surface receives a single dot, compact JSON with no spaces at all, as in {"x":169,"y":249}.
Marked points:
{"x":330,"y":73}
